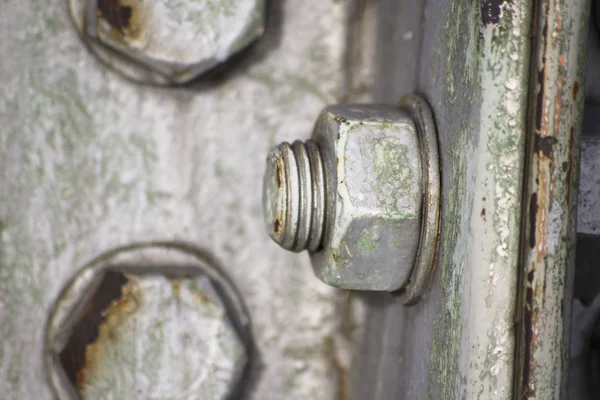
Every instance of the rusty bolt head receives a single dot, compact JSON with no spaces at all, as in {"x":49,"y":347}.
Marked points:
{"x":169,"y":41}
{"x":128,"y":330}
{"x":369,"y":235}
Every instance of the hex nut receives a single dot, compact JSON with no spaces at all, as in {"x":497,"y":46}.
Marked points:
{"x":362,"y":196}
{"x":374,"y":175}
{"x":168,"y":41}
{"x":126,"y":327}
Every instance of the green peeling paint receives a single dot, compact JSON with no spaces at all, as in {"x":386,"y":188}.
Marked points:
{"x":391,"y":162}
{"x":445,"y":350}
{"x":368,"y":241}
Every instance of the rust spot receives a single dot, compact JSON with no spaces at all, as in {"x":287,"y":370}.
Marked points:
{"x":334,"y":256}
{"x":279,"y":176}
{"x":176,"y":286}
{"x":277,"y":226}
{"x":533,"y":209}
{"x":86,"y":331}
{"x":329,"y":352}
{"x":544,"y":144}
{"x":530,"y":339}
{"x":116,"y":14}
{"x":490,"y":11}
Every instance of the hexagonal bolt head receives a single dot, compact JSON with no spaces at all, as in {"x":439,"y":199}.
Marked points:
{"x":179,"y":40}
{"x":352,"y":196}
{"x":140,"y":331}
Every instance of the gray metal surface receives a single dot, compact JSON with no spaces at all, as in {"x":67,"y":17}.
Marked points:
{"x":90,"y":161}
{"x":588,"y":210}
{"x":168,"y":41}
{"x":459,"y":341}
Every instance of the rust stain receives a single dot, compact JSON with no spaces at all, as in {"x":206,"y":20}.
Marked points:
{"x":126,"y":17}
{"x":558,"y":106}
{"x":200,"y":296}
{"x":558,"y":25}
{"x":176,"y":286}
{"x":329,"y":352}
{"x":533,"y":207}
{"x":116,"y":14}
{"x":87,"y":330}
{"x":544,"y":144}
{"x":530,"y":338}
{"x":490,"y":11}
{"x":113,"y":316}
{"x":551,"y":167}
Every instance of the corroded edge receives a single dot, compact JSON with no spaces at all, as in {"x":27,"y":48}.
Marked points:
{"x":67,"y":306}
{"x":550,"y":199}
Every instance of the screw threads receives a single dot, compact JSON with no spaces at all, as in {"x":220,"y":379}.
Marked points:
{"x":294,"y":196}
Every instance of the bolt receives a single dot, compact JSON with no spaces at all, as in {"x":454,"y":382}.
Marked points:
{"x":294,"y":205}
{"x":132,"y":311}
{"x":165,"y":41}
{"x":362,"y":196}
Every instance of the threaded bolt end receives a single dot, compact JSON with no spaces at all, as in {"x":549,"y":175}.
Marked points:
{"x":294,"y":196}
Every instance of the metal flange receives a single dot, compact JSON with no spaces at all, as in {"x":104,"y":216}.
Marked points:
{"x":424,"y":265}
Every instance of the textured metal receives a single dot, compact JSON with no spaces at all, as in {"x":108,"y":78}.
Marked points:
{"x":550,"y":200}
{"x":588,"y":209}
{"x":164,"y":41}
{"x":371,"y":161}
{"x":90,"y":161}
{"x":458,"y":341}
{"x":106,"y":320}
{"x":422,"y":272}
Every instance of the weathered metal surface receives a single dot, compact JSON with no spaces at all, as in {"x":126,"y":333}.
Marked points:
{"x":550,"y":199}
{"x":459,"y":341}
{"x":149,"y":306}
{"x":167,"y":41}
{"x":373,"y":177}
{"x":485,"y":77}
{"x":90,"y":161}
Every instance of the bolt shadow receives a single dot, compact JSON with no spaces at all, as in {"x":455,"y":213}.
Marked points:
{"x":253,"y":54}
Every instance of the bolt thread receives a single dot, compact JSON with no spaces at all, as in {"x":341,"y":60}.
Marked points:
{"x":303,"y":210}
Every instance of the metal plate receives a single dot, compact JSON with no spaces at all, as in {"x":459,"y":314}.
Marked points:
{"x":90,"y":161}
